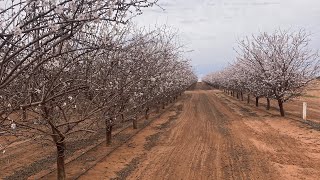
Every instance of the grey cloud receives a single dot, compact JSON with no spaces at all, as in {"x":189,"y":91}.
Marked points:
{"x":211,"y":27}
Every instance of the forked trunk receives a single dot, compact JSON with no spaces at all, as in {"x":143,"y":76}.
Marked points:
{"x":257,"y":101}
{"x":268,"y":104}
{"x":280,"y":102}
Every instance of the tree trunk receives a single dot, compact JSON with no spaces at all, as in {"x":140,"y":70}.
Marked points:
{"x":163,"y":105}
{"x":237,"y":95}
{"x":122,"y":118}
{"x":268,"y":104}
{"x":61,"y":173}
{"x":24,"y":115}
{"x":280,"y":102}
{"x":108,"y":135}
{"x":248,"y":100}
{"x":58,"y":139}
{"x":147,"y":114}
{"x":135,"y":123}
{"x":257,"y":101}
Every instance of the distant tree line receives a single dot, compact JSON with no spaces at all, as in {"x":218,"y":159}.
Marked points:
{"x":274,"y":66}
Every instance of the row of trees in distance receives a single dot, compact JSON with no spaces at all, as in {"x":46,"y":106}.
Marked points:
{"x":275,"y":65}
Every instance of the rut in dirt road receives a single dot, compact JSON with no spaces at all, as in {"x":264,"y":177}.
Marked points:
{"x":201,"y":146}
{"x":209,"y":135}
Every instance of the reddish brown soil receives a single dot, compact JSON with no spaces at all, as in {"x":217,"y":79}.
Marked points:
{"x":209,"y":135}
{"x":218,"y":137}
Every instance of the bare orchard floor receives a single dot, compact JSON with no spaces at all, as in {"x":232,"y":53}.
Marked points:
{"x":206,"y":134}
{"x":215,"y":136}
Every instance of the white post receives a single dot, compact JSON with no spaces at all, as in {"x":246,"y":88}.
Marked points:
{"x":304,"y":111}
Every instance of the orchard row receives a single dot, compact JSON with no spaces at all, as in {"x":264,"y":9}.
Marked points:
{"x":274,"y":66}
{"x":69,"y":68}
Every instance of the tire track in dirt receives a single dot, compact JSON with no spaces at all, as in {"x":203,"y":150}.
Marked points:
{"x":33,"y":160}
{"x":291,"y":148}
{"x":214,"y":136}
{"x":121,"y":162}
{"x":201,"y":145}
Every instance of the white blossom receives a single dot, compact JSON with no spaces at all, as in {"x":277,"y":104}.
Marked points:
{"x":13,"y":126}
{"x":53,"y":2}
{"x":95,"y":15}
{"x":17,"y":30}
{"x":110,"y":12}
{"x":38,"y":91}
{"x":81,"y":17}
{"x":59,"y":9}
{"x":73,"y":5}
{"x":54,"y":27}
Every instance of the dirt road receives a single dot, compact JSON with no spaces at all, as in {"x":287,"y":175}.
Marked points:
{"x":217,"y":137}
{"x":206,"y":134}
{"x":202,"y":145}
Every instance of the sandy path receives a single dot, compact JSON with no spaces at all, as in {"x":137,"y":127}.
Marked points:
{"x":218,"y":139}
{"x":201,"y":145}
{"x":209,"y":135}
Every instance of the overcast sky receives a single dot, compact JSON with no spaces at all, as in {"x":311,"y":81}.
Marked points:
{"x":212,"y":27}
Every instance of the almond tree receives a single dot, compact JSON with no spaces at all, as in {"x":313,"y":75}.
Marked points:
{"x":42,"y":45}
{"x":31,"y":29}
{"x":277,"y":65}
{"x":136,"y":65}
{"x":283,"y":62}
